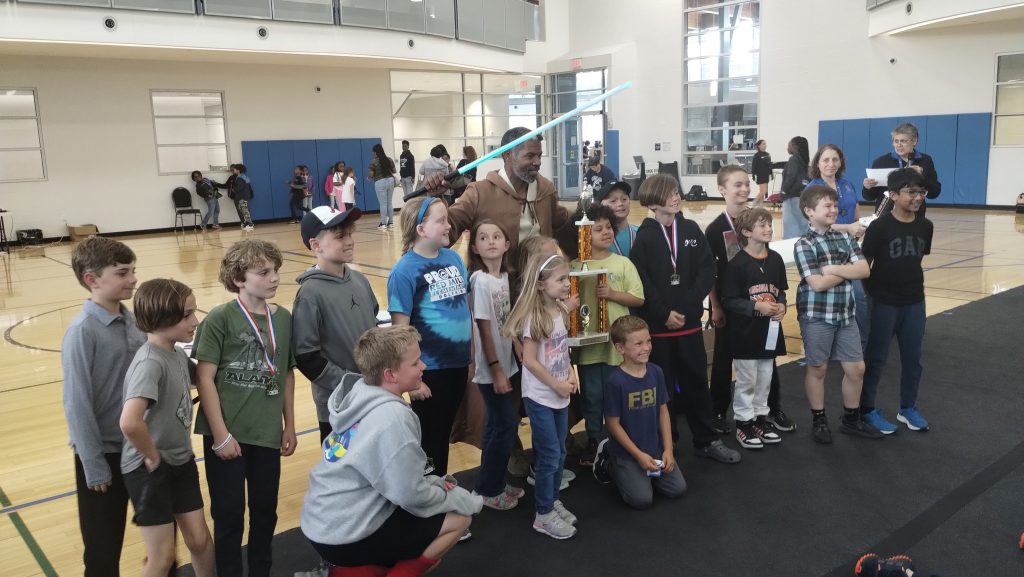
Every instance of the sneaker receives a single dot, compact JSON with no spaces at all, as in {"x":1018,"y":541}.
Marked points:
{"x":1022,"y":540}
{"x":320,"y":571}
{"x":518,"y":466}
{"x":215,"y":227}
{"x":564,"y":513}
{"x":391,"y":225}
{"x":466,"y":536}
{"x":720,"y":424}
{"x":781,"y":422}
{"x":876,"y":420}
{"x":514,"y":492}
{"x":563,"y":486}
{"x":600,"y":467}
{"x":567,"y":475}
{"x":912,"y":419}
{"x":860,"y":428}
{"x":746,"y":435}
{"x":719,"y":452}
{"x":587,"y":458}
{"x":872,"y":565}
{"x":822,"y":434}
{"x":249,"y":228}
{"x":382,"y":226}
{"x":500,"y":502}
{"x":766,"y":430}
{"x":553,"y":525}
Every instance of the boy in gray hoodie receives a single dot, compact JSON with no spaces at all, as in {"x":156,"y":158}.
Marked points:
{"x":333,"y":308}
{"x":369,"y":505}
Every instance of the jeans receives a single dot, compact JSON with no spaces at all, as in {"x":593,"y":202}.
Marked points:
{"x":793,"y":222}
{"x":256,"y":472}
{"x":295,"y":207}
{"x":212,"y":211}
{"x":101,"y":517}
{"x":499,"y":437}
{"x":862,"y":312}
{"x":407,"y":185}
{"x":437,"y":412}
{"x":549,"y":428}
{"x":685,"y":365}
{"x":907,"y":324}
{"x":592,"y":380}
{"x":385,"y":189}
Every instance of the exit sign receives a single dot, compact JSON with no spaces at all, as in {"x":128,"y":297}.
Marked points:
{"x":577,"y":63}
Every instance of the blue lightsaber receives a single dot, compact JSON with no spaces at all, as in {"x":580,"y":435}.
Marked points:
{"x":539,"y":130}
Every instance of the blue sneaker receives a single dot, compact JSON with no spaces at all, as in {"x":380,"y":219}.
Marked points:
{"x":876,"y":420}
{"x":912,"y":419}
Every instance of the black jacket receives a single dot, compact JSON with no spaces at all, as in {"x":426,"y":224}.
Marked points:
{"x":890,"y":160}
{"x":694,"y":263}
{"x":761,"y":166}
{"x":794,"y":177}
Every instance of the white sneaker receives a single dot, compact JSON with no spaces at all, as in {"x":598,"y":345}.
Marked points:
{"x":564,"y":513}
{"x":561,"y":487}
{"x":553,"y":526}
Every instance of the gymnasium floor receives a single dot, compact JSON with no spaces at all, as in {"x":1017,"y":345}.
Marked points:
{"x":975,"y":254}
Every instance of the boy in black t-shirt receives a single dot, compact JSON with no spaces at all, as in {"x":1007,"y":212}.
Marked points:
{"x":895,"y":245}
{"x":638,"y":455}
{"x":754,"y":296}
{"x":734,"y":186}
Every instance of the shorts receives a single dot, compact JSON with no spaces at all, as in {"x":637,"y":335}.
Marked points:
{"x":403,"y":536}
{"x":168,"y":491}
{"x":824,"y":342}
{"x":759,"y":179}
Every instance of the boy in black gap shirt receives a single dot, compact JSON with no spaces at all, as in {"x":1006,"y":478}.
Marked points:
{"x":894,"y":245}
{"x":755,"y":300}
{"x":678,"y":271}
{"x":734,"y":186}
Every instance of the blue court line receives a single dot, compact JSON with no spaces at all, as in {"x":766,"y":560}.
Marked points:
{"x":43,"y":500}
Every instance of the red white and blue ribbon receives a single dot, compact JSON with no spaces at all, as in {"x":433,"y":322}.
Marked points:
{"x":632,"y":237}
{"x":268,"y":353}
{"x":672,"y":246}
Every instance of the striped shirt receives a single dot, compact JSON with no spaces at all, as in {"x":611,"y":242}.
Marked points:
{"x":812,"y":252}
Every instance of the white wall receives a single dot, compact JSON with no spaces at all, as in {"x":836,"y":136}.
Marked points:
{"x":98,"y":130}
{"x":811,"y":71}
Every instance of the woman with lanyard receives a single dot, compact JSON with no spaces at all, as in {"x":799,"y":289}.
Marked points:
{"x":904,"y":154}
{"x":827,"y":168}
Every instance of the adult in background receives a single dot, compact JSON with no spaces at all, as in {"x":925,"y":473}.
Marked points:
{"x":827,"y":168}
{"x":761,"y":170}
{"x":516,"y":196}
{"x":794,"y":180}
{"x":407,"y":168}
{"x":382,"y":173}
{"x":904,"y":155}
{"x":468,"y":155}
{"x":598,"y":175}
{"x":435,"y":163}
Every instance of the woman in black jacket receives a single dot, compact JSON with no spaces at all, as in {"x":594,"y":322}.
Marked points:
{"x":761,"y":170}
{"x":794,"y":179}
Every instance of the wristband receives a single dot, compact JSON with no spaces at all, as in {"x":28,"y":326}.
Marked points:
{"x":222,"y":445}
{"x":492,"y":363}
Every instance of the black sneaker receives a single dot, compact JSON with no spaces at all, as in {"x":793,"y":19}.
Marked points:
{"x":587,"y":458}
{"x":781,"y":421}
{"x":747,"y":435}
{"x":872,"y":565}
{"x":860,"y":428}
{"x":600,"y":465}
{"x":822,"y":434}
{"x":766,"y":430}
{"x":720,"y":424}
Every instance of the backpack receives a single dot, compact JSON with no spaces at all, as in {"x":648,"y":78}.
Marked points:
{"x":696,"y":193}
{"x":329,"y":184}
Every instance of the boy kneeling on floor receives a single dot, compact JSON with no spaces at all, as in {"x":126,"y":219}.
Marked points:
{"x":369,"y":510}
{"x":637,"y":457}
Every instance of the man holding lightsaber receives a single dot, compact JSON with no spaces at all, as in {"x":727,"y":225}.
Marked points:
{"x":517,"y":197}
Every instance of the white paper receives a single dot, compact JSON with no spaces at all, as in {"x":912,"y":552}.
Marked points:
{"x":773,"y":335}
{"x":880,"y":174}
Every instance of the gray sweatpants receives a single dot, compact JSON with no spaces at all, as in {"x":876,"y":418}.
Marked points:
{"x":636,"y":488}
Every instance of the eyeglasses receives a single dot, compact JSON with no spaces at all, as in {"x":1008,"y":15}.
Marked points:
{"x":914,"y":192}
{"x":899,"y":141}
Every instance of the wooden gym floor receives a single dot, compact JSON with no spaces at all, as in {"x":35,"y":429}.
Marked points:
{"x":975,"y":254}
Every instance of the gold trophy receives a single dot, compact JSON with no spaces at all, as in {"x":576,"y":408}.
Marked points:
{"x":581,"y":318}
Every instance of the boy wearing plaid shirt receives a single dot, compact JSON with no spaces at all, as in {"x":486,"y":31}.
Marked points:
{"x":828,"y":260}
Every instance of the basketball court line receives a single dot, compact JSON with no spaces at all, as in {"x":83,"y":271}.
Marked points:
{"x":26,"y":536}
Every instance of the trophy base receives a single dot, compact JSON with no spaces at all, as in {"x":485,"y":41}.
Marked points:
{"x":588,"y":339}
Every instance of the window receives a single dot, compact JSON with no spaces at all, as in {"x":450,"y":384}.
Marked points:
{"x":1009,"y":116}
{"x":21,"y":136}
{"x":721,"y":86}
{"x":190,"y":131}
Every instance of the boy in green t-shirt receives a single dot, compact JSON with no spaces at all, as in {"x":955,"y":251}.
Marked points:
{"x":246,"y":385}
{"x":622,"y":290}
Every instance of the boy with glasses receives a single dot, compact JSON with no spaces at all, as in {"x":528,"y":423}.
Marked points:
{"x":895,"y":245}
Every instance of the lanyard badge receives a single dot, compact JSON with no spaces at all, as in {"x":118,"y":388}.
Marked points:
{"x":269,"y":352}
